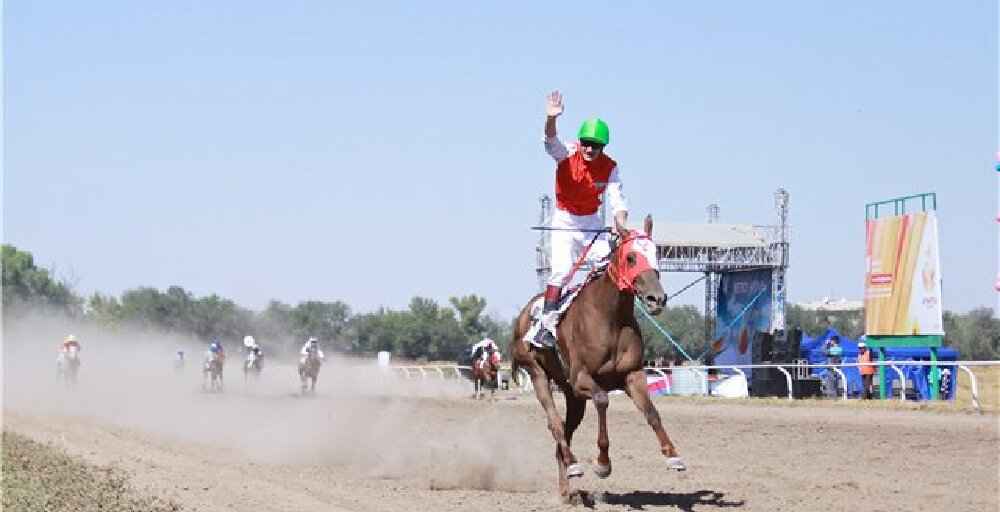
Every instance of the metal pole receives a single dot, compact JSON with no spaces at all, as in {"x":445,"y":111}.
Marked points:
{"x":935,"y":376}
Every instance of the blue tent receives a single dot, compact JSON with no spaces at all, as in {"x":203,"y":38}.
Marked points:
{"x":812,"y":349}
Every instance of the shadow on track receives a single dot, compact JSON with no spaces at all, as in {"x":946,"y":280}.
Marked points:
{"x":639,"y":500}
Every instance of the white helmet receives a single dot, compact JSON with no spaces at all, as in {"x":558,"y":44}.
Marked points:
{"x":249,"y":342}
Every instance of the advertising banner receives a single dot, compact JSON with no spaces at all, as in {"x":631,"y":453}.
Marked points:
{"x":903,"y":276}
{"x":743,"y":310}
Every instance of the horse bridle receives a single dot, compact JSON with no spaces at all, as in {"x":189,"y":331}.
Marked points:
{"x":612,"y":257}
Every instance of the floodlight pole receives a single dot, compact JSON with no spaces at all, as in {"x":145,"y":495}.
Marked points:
{"x":778,"y":278}
{"x":711,"y":283}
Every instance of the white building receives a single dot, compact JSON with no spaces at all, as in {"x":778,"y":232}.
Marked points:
{"x":828,"y":304}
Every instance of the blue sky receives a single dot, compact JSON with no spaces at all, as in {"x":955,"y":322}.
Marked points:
{"x":374,"y":151}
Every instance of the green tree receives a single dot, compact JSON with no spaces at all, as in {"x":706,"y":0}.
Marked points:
{"x":469,"y":308}
{"x":27,"y":286}
{"x":105,"y":310}
{"x":324,"y":320}
{"x":976,"y":335}
{"x":685,"y":324}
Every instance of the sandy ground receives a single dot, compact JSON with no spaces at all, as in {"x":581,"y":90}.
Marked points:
{"x":421,"y":453}
{"x":371,"y":442}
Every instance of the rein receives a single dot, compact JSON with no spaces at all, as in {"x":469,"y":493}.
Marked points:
{"x":583,"y":256}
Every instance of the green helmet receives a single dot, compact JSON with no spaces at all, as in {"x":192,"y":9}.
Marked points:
{"x":594,"y":129}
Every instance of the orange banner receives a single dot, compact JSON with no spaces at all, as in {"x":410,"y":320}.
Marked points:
{"x":903,"y":278}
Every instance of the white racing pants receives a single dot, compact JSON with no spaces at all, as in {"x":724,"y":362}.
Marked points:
{"x":567,"y":244}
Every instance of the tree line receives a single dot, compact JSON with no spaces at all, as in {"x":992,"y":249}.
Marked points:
{"x":424,"y":330}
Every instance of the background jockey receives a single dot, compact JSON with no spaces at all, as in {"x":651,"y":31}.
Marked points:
{"x":583,"y":173}
{"x":70,"y":342}
{"x":312,"y":345}
{"x":252,"y":347}
{"x":481,"y":348}
{"x":215,"y":349}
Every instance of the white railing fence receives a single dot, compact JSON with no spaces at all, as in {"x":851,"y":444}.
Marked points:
{"x":454,"y":373}
{"x":893,"y":365}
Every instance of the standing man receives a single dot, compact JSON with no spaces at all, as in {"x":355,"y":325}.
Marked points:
{"x":834,"y":353}
{"x":583,"y":173}
{"x":867,"y":370}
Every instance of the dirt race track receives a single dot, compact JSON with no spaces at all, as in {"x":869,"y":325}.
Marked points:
{"x":370,"y":443}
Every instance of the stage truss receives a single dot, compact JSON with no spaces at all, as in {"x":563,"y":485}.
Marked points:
{"x":710,"y":249}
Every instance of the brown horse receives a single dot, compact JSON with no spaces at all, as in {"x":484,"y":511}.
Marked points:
{"x":309,"y":371}
{"x":600,"y":349}
{"x":484,"y":373}
{"x":212,"y":373}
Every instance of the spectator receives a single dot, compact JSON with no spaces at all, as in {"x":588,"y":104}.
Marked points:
{"x":834,"y":352}
{"x":867,"y":370}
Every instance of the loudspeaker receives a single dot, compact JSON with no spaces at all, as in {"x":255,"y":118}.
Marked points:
{"x":794,"y":345}
{"x":806,"y":388}
{"x":768,"y":382}
{"x":763,"y":349}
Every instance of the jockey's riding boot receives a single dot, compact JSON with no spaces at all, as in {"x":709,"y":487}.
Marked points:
{"x":546,"y":335}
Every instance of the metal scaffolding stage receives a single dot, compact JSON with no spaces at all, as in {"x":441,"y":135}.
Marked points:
{"x":711,"y":249}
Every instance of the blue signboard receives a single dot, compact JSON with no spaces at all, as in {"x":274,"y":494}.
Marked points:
{"x":743,"y":311}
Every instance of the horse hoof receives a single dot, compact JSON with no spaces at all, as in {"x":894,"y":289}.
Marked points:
{"x":574,"y":470}
{"x":676,"y":463}
{"x":602,"y":471}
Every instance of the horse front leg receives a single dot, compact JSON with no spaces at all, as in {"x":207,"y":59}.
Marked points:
{"x":585,"y":387}
{"x":564,"y":457}
{"x":635,"y":387}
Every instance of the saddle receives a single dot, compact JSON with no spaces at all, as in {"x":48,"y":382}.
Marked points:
{"x":570,"y":294}
{"x":480,"y":362}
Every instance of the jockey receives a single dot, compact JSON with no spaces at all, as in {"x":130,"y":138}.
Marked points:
{"x":312,"y":345}
{"x":482,"y":348}
{"x":252,"y":347}
{"x":216,"y":349}
{"x":70,"y":342}
{"x":583,"y":173}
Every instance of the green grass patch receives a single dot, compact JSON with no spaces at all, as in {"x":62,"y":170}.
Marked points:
{"x":40,"y":477}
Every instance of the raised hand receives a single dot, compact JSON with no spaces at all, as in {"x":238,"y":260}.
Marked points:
{"x":554,"y":104}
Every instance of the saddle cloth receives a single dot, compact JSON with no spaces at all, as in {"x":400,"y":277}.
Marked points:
{"x":569,"y":295}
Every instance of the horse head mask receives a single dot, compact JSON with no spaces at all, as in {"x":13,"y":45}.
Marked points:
{"x":633,"y":268}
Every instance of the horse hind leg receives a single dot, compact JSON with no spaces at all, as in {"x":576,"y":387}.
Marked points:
{"x":575,"y":409}
{"x":564,"y":457}
{"x":635,"y":386}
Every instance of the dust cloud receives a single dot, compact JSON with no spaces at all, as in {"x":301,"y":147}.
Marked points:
{"x":373,"y":421}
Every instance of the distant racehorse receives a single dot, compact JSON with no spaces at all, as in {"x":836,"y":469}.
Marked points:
{"x":309,"y":371}
{"x":212,"y":373}
{"x":484,"y":372}
{"x":599,"y":349}
{"x":252,"y":366}
{"x":68,"y":365}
